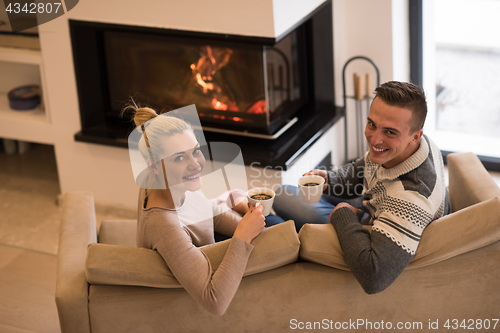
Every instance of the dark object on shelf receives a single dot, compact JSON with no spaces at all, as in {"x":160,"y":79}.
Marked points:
{"x":358,"y":97}
{"x":24,"y":98}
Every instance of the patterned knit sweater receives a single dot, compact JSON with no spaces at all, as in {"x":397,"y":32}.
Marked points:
{"x":400,"y":202}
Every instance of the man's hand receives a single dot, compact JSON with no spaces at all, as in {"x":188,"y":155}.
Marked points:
{"x":355,"y":210}
{"x":321,"y":173}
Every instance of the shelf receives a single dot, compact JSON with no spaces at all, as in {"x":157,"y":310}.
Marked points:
{"x":19,"y":67}
{"x":6,"y":113}
{"x":21,"y":56}
{"x":29,"y":125}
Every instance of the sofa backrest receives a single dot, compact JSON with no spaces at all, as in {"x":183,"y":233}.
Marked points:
{"x":115,"y":264}
{"x":118,"y":232}
{"x":463,"y":231}
{"x":470,"y":183}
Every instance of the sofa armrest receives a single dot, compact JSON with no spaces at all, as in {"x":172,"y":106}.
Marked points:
{"x":77,"y":230}
{"x":470,"y":183}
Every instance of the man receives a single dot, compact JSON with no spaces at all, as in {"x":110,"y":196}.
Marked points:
{"x":400,"y":179}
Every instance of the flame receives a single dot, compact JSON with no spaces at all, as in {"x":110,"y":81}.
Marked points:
{"x":218,"y":105}
{"x":204,"y":71}
{"x":210,"y":61}
{"x":206,"y":86}
{"x":207,"y":66}
{"x":258,"y":107}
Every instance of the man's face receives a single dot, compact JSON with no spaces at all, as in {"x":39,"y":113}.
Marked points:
{"x":388,"y":134}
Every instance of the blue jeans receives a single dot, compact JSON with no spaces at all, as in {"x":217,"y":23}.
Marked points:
{"x":289,"y":205}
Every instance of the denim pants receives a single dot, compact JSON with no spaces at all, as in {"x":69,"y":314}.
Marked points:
{"x":289,"y":205}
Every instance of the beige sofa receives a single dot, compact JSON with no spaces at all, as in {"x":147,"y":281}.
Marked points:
{"x":291,"y":282}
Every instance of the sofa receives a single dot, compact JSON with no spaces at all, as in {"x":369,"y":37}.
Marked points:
{"x":292,"y":282}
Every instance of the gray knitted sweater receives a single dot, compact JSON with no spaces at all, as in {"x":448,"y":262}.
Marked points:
{"x":400,"y":202}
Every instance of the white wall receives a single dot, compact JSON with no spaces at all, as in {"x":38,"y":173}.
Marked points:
{"x":374,"y":29}
{"x":361,"y":28}
{"x":288,"y":12}
{"x":221,"y":16}
{"x":264,"y":18}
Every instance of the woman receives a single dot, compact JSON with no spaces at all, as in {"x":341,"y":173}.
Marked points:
{"x":174,"y":220}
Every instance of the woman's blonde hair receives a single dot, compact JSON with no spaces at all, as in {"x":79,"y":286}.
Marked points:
{"x":155,"y":127}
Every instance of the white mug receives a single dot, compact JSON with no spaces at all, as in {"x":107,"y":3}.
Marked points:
{"x":267,"y":203}
{"x":311,"y":194}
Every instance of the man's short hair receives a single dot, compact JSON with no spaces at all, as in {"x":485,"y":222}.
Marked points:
{"x":405,"y":95}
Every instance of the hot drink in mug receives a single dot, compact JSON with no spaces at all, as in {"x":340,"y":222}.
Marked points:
{"x":311,"y":188}
{"x":261,"y":196}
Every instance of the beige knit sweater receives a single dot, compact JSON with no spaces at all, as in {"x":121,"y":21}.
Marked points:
{"x":177,"y":236}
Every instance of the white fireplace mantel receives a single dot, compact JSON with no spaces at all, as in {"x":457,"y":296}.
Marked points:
{"x":261,"y":18}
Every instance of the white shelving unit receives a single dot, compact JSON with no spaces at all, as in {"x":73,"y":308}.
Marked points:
{"x":23,"y":67}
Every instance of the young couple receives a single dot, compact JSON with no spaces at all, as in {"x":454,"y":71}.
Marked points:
{"x":403,"y":191}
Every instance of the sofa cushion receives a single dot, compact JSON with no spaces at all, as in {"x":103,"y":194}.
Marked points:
{"x":463,"y":231}
{"x":460,"y":232}
{"x":470,"y":183}
{"x":124,"y":265}
{"x":118,"y":232}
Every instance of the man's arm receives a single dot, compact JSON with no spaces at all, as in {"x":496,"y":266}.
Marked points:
{"x":346,"y":182}
{"x":374,"y":259}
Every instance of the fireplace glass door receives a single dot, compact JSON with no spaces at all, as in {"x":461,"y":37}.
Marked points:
{"x":234,"y":85}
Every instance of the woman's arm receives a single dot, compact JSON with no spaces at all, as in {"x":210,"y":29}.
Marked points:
{"x":225,"y":222}
{"x":213,"y":290}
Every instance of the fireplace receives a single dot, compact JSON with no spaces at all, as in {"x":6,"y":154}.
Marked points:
{"x":272,"y":89}
{"x":254,"y":88}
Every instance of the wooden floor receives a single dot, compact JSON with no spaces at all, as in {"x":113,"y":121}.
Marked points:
{"x":27,"y":291}
{"x":29,"y":234}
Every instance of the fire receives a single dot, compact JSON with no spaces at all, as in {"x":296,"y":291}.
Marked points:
{"x":206,"y":86}
{"x":204,"y":70}
{"x":218,"y":105}
{"x":208,"y":64}
{"x":259,"y":107}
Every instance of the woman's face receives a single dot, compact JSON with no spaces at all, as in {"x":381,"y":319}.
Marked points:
{"x":184,"y":162}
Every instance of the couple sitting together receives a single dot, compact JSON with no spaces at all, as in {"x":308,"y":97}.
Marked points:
{"x":397,"y":187}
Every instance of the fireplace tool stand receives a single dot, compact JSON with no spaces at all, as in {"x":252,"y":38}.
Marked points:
{"x":362,"y":103}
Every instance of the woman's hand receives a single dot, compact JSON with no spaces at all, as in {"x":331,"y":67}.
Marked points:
{"x":321,"y":173}
{"x":251,"y":225}
{"x":242,"y":207}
